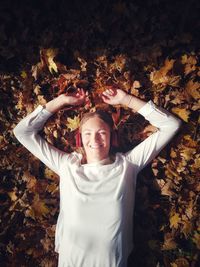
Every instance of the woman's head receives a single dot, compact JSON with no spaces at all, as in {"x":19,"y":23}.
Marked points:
{"x":95,"y":129}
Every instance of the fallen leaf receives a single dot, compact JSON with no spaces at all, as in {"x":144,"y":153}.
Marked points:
{"x":73,"y":124}
{"x":183,"y":113}
{"x":175,"y":220}
{"x":193,"y":89}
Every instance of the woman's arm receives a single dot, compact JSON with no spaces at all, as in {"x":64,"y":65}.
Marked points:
{"x":167,"y":125}
{"x":119,"y":97}
{"x":27,"y":130}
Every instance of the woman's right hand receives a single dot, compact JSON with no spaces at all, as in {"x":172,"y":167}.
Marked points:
{"x":74,"y":99}
{"x":63,"y":100}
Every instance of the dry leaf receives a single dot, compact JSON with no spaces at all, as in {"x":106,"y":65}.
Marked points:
{"x":193,"y":89}
{"x":175,"y":220}
{"x":182,"y":113}
{"x":73,"y":124}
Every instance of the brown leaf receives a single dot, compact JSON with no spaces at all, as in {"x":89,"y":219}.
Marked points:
{"x":38,"y":207}
{"x":169,"y":242}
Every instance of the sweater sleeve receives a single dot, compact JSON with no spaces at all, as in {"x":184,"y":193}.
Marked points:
{"x":167,"y":125}
{"x":26,"y":132}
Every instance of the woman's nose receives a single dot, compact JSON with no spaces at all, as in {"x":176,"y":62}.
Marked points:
{"x":95,"y":137}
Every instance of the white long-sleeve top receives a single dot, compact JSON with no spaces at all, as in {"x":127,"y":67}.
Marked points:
{"x":95,"y":223}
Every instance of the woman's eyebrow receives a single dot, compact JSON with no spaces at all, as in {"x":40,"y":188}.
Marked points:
{"x":100,"y":129}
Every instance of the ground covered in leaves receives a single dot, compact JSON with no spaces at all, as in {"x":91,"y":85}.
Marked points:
{"x":148,"y":48}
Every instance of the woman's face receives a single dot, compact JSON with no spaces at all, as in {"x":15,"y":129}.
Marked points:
{"x":95,"y":135}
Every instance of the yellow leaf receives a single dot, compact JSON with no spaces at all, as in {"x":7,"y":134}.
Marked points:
{"x":47,"y":57}
{"x":23,"y":74}
{"x":173,"y":153}
{"x":12,"y":196}
{"x":175,"y":220}
{"x":188,"y":60}
{"x":193,"y":89}
{"x":41,"y":99}
{"x":160,"y":76}
{"x":52,"y":65}
{"x":73,"y":124}
{"x":183,"y":113}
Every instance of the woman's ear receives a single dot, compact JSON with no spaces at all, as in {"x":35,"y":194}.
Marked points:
{"x":78,"y":139}
{"x":114,"y":139}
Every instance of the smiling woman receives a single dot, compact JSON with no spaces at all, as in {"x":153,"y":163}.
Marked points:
{"x":97,"y":190}
{"x":95,"y":129}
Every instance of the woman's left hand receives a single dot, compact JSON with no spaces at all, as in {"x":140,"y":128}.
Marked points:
{"x":113,"y":96}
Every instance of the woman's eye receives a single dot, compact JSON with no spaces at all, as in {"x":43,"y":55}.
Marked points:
{"x":86,"y":134}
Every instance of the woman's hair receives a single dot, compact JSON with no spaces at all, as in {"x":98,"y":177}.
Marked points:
{"x":103,"y":115}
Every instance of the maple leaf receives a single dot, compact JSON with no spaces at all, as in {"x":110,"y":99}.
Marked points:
{"x":175,"y":220}
{"x":160,"y":76}
{"x":38,"y":208}
{"x":47,"y":58}
{"x":185,"y":59}
{"x":165,"y":187}
{"x":23,"y":74}
{"x":189,"y":62}
{"x":193,"y":89}
{"x":73,"y":124}
{"x":118,"y":64}
{"x":169,"y":242}
{"x":183,"y":113}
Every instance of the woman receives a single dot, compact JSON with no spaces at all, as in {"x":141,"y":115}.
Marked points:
{"x":97,"y":189}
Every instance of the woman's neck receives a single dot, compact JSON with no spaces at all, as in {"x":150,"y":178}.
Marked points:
{"x":104,"y":161}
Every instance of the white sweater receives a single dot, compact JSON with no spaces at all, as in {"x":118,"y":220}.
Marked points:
{"x":94,"y":227}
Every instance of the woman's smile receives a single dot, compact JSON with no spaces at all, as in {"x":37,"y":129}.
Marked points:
{"x":95,"y":135}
